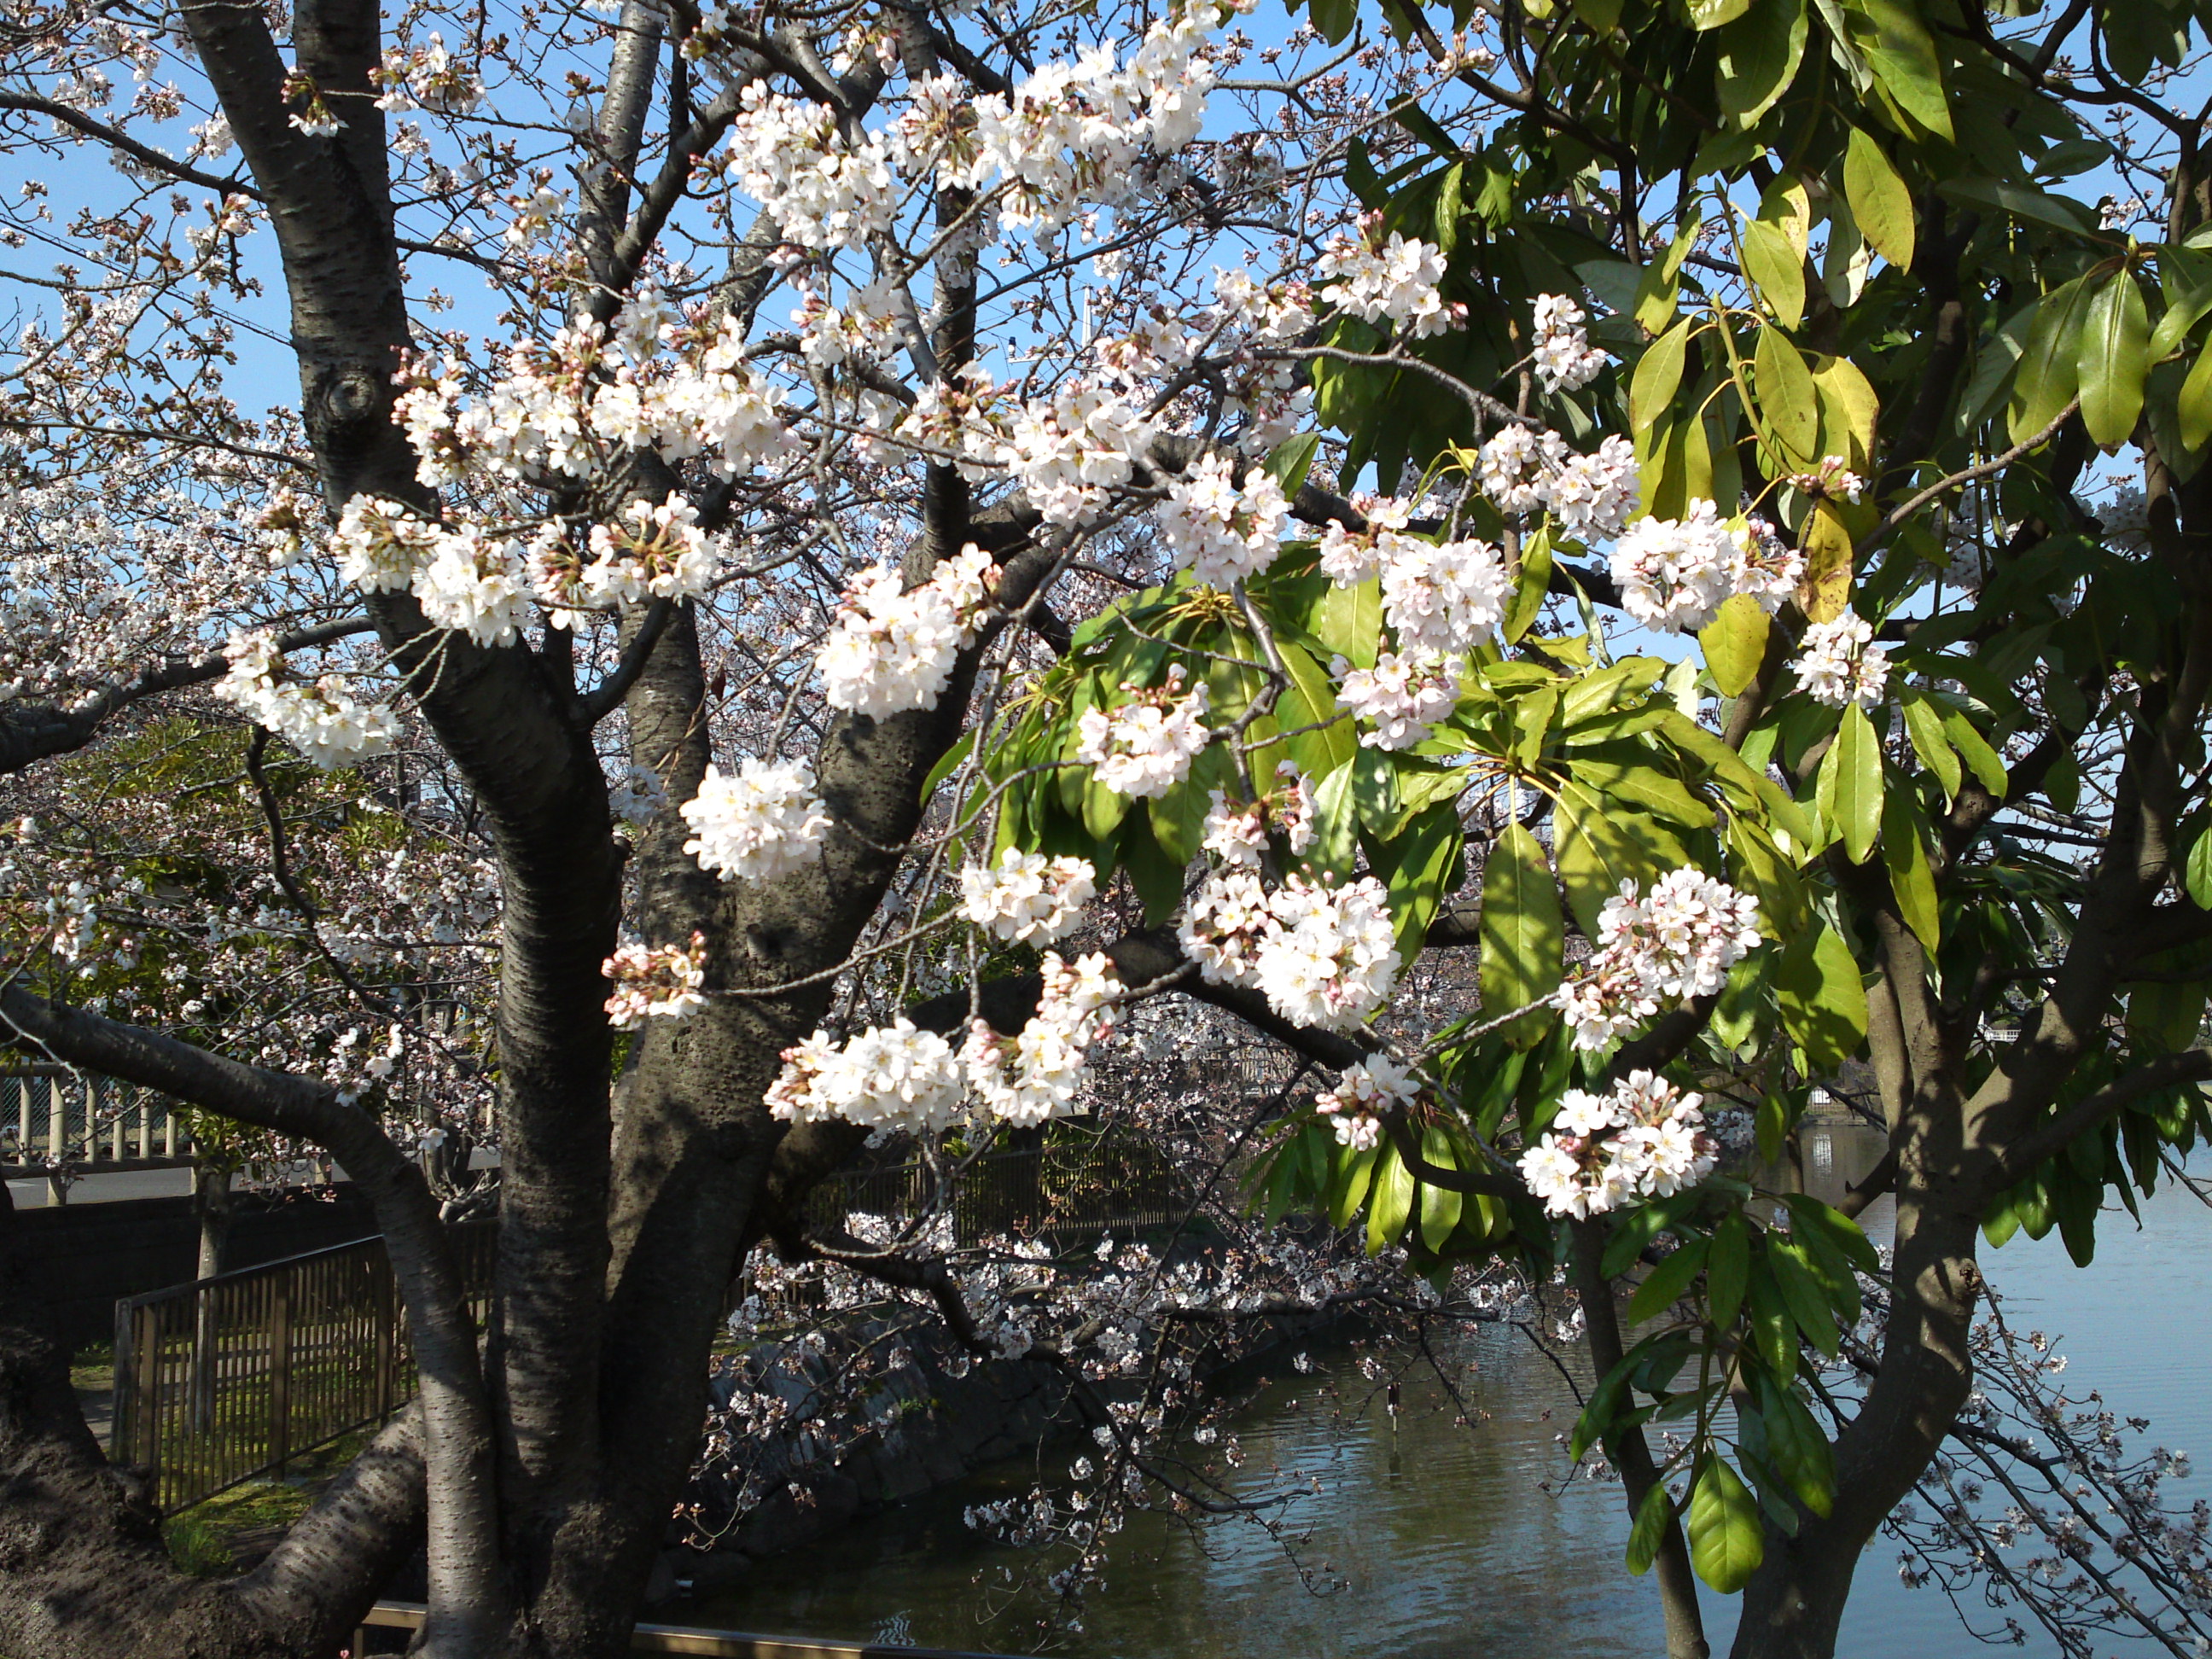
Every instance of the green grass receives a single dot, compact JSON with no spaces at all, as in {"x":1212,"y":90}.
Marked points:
{"x":92,"y":1368}
{"x":203,"y":1540}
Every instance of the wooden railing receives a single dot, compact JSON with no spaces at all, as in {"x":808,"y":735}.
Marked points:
{"x":228,"y":1378}
{"x":674,"y":1639}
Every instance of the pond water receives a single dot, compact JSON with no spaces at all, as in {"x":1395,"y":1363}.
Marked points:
{"x":1431,"y":1540}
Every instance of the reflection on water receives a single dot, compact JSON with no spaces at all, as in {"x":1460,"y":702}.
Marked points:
{"x":1431,"y":1540}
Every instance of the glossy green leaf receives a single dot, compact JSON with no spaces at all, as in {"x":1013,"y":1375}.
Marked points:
{"x":2050,"y":370}
{"x":1776,"y":267}
{"x":1727,"y":1271}
{"x":1647,"y":787}
{"x":1813,"y":1219}
{"x":1354,"y":1174}
{"x":1796,"y":1449}
{"x":1803,"y":1294}
{"x":1910,"y":877}
{"x":2194,"y":402}
{"x":1290,"y":461}
{"x":1650,"y":1531}
{"x":1524,"y":936}
{"x":1374,"y":789}
{"x":2197,"y":872}
{"x":1427,"y":851}
{"x":1848,"y":789}
{"x":1667,"y":1283}
{"x":1348,"y":621}
{"x":1735,"y":643}
{"x":1880,"y":203}
{"x":1532,"y":583}
{"x":2115,"y":358}
{"x":1924,"y":724}
{"x":1756,"y":57}
{"x":1441,"y":1207}
{"x":1658,"y":375}
{"x":1309,"y":701}
{"x":1788,"y":406}
{"x":1389,"y":1200}
{"x":1336,"y":823}
{"x":1823,"y":1000}
{"x":1975,"y":750}
{"x":1726,"y":1540}
{"x":1712,"y":13}
{"x":1899,"y":50}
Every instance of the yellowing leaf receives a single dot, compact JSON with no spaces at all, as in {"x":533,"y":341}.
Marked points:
{"x":1735,"y":644}
{"x":1825,"y":590}
{"x":1776,"y":267}
{"x":1789,"y":411}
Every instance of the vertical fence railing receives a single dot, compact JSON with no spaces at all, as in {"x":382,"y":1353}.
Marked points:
{"x":229,"y":1378}
{"x":51,"y":1114}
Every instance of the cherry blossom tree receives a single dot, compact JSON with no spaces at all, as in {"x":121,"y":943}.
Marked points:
{"x":924,"y":533}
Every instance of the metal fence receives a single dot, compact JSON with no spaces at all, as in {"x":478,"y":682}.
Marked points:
{"x":231,"y":1377}
{"x":53,"y":1114}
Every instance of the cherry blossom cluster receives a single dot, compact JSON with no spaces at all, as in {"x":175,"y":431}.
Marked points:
{"x":1236,"y":833}
{"x":1833,"y":478}
{"x":655,"y":981}
{"x":1675,"y":573}
{"x":1035,"y":1075}
{"x":765,"y":822}
{"x":1027,"y":898}
{"x":1144,"y":747}
{"x":1565,"y":359}
{"x":1390,"y":280}
{"x":588,"y":394}
{"x":1364,"y":1093}
{"x":893,"y":1077}
{"x":1399,"y":702}
{"x":1072,"y":132}
{"x":1445,"y":598}
{"x":1839,"y":663}
{"x":1642,"y":1140}
{"x":1590,"y":497}
{"x":1219,"y":530}
{"x":426,"y":77}
{"x":890,"y":650}
{"x":324,"y":721}
{"x":1323,"y":956}
{"x":1677,"y":942}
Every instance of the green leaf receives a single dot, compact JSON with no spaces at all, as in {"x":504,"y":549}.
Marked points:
{"x":1712,"y":13}
{"x":1667,"y":1283}
{"x":1735,"y":643}
{"x":1902,"y":55}
{"x":1795,"y":1447}
{"x":1290,"y":461}
{"x":1309,"y":701}
{"x":1838,"y":1231}
{"x":1848,"y":790}
{"x":1336,"y":824}
{"x":2188,"y":297}
{"x":1774,"y":1333}
{"x":1726,"y":1544}
{"x":1390,"y":1201}
{"x":1803,"y":1294}
{"x":1757,"y":58}
{"x":1441,"y":1207}
{"x":1879,"y":201}
{"x":1924,"y":724}
{"x":1727,"y":1271}
{"x":949,"y":762}
{"x":1358,"y":1171}
{"x":1658,"y":373}
{"x":1645,"y":1538}
{"x":1155,"y":873}
{"x":2196,"y":402}
{"x":1788,"y":409}
{"x":1974,"y":749}
{"x":1374,"y":789}
{"x":1530,"y":585}
{"x":1647,"y":787}
{"x":1426,"y":853}
{"x":1776,"y":266}
{"x":2199,"y":872}
{"x":1823,"y":1000}
{"x":2050,"y":368}
{"x":1348,"y":621}
{"x":1523,"y":937}
{"x":1910,"y":877}
{"x":2115,"y":358}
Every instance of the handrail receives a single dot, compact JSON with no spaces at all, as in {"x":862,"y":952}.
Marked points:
{"x":683,"y":1639}
{"x":148,"y":1298}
